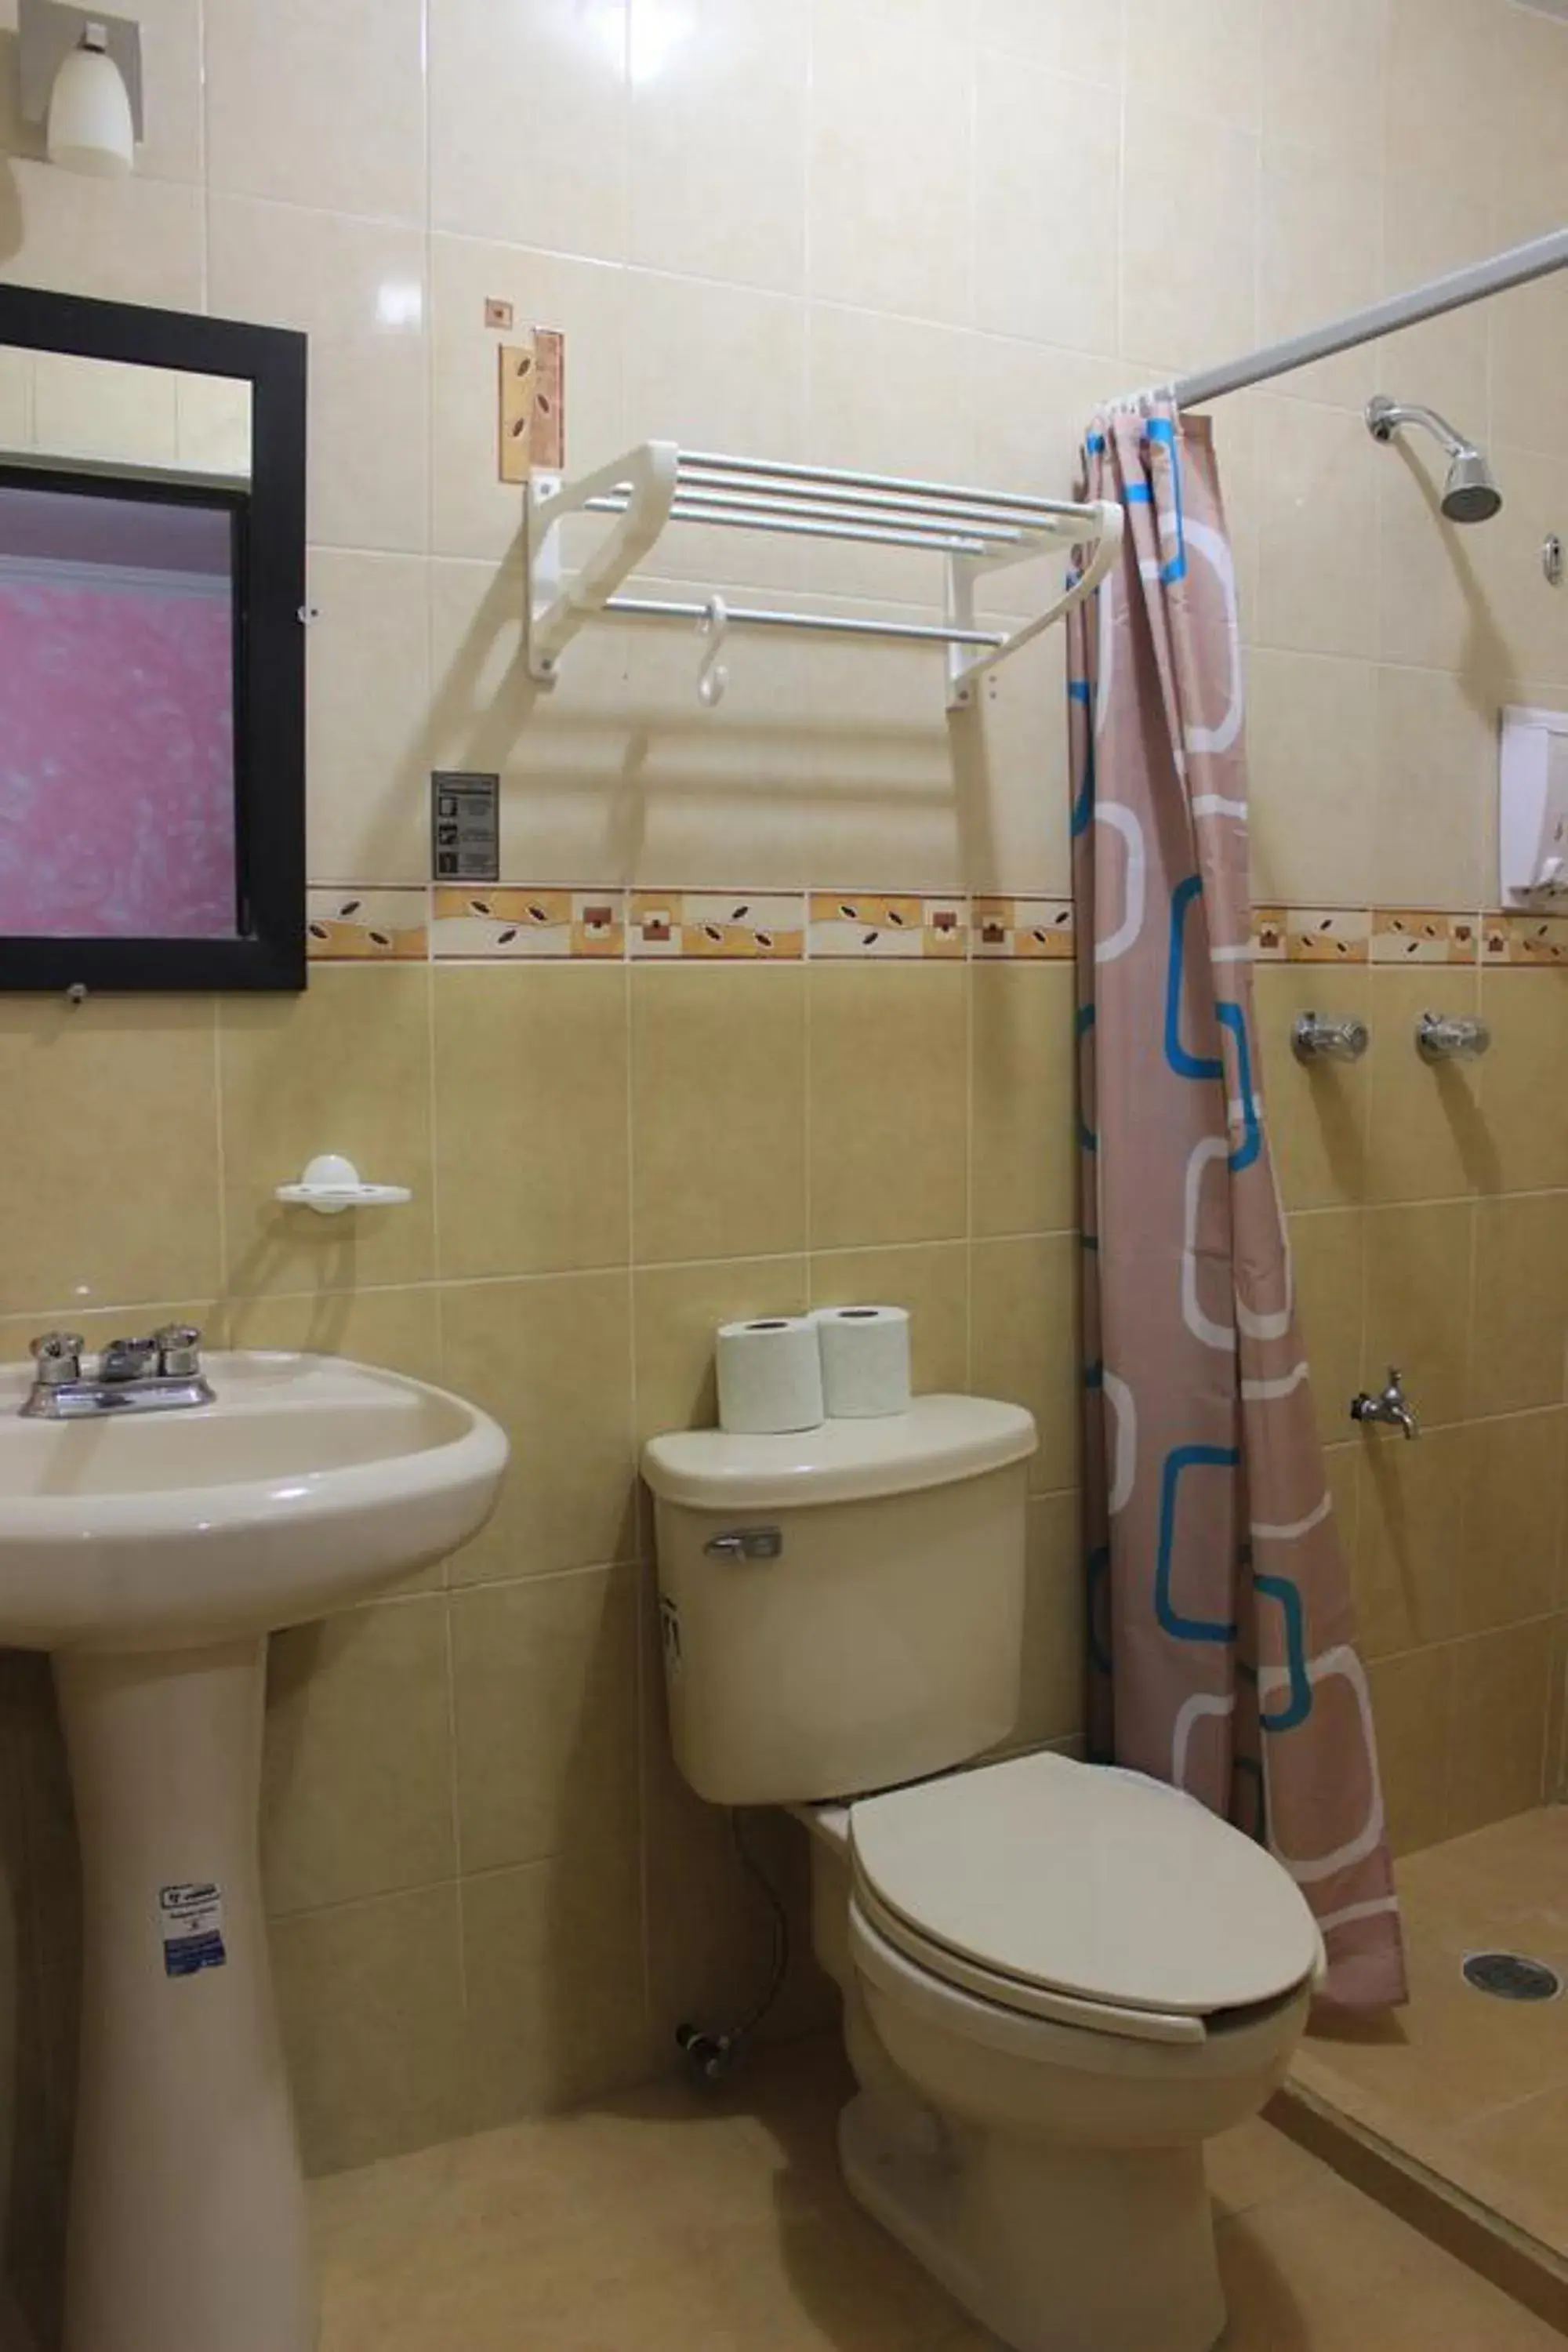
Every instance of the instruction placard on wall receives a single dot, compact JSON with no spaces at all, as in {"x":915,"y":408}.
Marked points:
{"x":190,"y":1920}
{"x":464,"y":826}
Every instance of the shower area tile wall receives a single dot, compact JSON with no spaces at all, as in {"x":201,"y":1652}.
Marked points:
{"x":770,"y":1006}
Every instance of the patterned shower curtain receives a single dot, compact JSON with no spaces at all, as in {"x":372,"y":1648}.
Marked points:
{"x":1222,"y":1654}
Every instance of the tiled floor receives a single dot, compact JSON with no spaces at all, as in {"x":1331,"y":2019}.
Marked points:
{"x":661,"y":2223}
{"x":1473,"y":2087}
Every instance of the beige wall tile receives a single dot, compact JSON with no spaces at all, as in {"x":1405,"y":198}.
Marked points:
{"x":397,"y":1328}
{"x":73,"y":1077}
{"x":678,"y":1310}
{"x":555,"y":2009}
{"x":1512,"y":1518}
{"x":368,"y":705}
{"x":1324,"y":74}
{"x":1042,"y":153}
{"x":1328,"y":1253}
{"x":1433,"y":577}
{"x":1428,"y":1136}
{"x":136,"y":240}
{"x":1056,"y":33}
{"x":1410,"y":1545}
{"x":1024,"y":1133}
{"x":1311,"y":741}
{"x":346,"y":1068}
{"x":888,"y":1103}
{"x":1435,"y":751}
{"x":371,"y":1996}
{"x":1319,"y":242}
{"x":552,"y":1359}
{"x":1528,"y":329}
{"x":1316,"y":591}
{"x":1010,"y":775}
{"x":472,"y":512}
{"x":357,"y":1792}
{"x":1024,"y":1348}
{"x":324,"y":104}
{"x":1521,"y":1303}
{"x":1317,"y":1109}
{"x":544,"y":1679}
{"x":724,"y":112}
{"x":357,"y":289}
{"x":1202,"y":54}
{"x":1445,"y":70}
{"x":1496,"y":1755}
{"x":531,"y":1119}
{"x":1418,"y":1304}
{"x":1054,"y":1662}
{"x":1413,"y":1705}
{"x":889,"y":208}
{"x":931,"y":1281}
{"x":1184,"y":298}
{"x":718,"y":1112}
{"x":1429,"y":225}
{"x":1524,"y":1079}
{"x":549,"y":83}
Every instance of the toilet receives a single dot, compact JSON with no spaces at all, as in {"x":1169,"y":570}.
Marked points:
{"x":1058,"y":1979}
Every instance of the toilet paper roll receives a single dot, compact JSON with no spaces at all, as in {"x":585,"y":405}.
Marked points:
{"x":865,"y":1361}
{"x":770,"y":1376}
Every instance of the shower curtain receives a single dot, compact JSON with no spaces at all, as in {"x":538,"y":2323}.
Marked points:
{"x":1222,"y":1656}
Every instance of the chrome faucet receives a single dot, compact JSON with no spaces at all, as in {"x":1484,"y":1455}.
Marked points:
{"x":1318,"y":1037}
{"x":1392,"y":1406}
{"x":158,"y":1374}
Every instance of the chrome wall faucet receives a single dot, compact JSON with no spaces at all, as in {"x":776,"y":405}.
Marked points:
{"x":158,"y":1374}
{"x":1392,"y":1406}
{"x":1318,"y":1037}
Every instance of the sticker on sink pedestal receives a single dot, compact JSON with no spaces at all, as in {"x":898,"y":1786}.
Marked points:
{"x":190,"y":1920}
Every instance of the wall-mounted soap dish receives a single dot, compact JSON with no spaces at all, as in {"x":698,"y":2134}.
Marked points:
{"x":332,"y":1184}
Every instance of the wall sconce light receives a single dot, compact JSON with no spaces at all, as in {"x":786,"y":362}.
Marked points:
{"x":81,"y":79}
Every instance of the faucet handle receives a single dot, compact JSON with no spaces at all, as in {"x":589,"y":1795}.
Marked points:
{"x":179,"y":1346}
{"x":58,"y":1356}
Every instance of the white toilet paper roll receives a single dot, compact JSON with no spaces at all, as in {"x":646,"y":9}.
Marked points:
{"x":865,"y":1361}
{"x":770,"y":1376}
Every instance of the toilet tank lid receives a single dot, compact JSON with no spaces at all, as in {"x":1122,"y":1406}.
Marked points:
{"x":939,"y":1440}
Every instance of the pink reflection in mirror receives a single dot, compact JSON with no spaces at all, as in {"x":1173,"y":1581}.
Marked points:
{"x":117,"y":799}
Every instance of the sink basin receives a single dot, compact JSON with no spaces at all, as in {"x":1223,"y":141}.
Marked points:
{"x":310,"y":1482}
{"x":153,"y":1553}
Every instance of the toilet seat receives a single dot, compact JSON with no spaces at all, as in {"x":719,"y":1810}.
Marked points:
{"x":1082,"y":1893}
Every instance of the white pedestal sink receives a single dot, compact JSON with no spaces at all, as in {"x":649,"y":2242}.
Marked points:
{"x":152,"y":1555}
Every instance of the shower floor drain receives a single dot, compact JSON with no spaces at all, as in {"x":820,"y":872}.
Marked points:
{"x":1512,"y":1977}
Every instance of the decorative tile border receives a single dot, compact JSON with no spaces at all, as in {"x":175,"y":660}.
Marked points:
{"x":507,"y":924}
{"x":716,"y":926}
{"x":864,"y":926}
{"x":1410,"y":936}
{"x":516,"y":922}
{"x":349,"y":926}
{"x":1524,"y":939}
{"x":1026,"y":929}
{"x":1311,"y":934}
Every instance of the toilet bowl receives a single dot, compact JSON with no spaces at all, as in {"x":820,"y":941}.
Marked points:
{"x":1031,"y":2118}
{"x":1058,"y":1979}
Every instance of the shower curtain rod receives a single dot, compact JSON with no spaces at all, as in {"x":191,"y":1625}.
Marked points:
{"x":1517,"y":267}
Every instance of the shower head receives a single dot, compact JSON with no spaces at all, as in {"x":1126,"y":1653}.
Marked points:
{"x":1470,"y":494}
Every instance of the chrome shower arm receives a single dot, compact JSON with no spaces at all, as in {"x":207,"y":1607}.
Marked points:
{"x":1385,"y":416}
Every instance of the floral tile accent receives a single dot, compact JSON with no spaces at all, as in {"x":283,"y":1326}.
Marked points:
{"x":1409,"y":936}
{"x":349,"y":926}
{"x":1026,"y":929}
{"x":515,"y":922}
{"x":720,"y":926}
{"x":864,"y":924}
{"x":1524,"y":939}
{"x":1311,"y":934}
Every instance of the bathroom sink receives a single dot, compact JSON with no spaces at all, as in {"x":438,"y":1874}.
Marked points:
{"x":152,"y":1552}
{"x":309,"y":1483}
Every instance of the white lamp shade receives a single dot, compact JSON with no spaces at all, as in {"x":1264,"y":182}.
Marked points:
{"x":91,"y":128}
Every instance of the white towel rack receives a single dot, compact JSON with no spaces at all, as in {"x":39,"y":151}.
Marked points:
{"x":974,"y":531}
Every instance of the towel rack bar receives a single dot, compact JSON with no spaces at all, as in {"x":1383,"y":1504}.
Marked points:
{"x":839,"y":625}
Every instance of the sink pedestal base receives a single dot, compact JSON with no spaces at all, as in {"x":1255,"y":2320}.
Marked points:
{"x":187,"y":2222}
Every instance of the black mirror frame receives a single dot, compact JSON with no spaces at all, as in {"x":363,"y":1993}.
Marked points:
{"x":270,"y":734}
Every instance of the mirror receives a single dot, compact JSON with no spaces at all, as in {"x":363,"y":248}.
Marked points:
{"x":151,"y":543}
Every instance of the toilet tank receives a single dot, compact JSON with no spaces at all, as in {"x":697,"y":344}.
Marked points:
{"x":841,"y":1610}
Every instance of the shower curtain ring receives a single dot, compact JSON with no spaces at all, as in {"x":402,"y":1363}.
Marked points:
{"x":714,"y":676}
